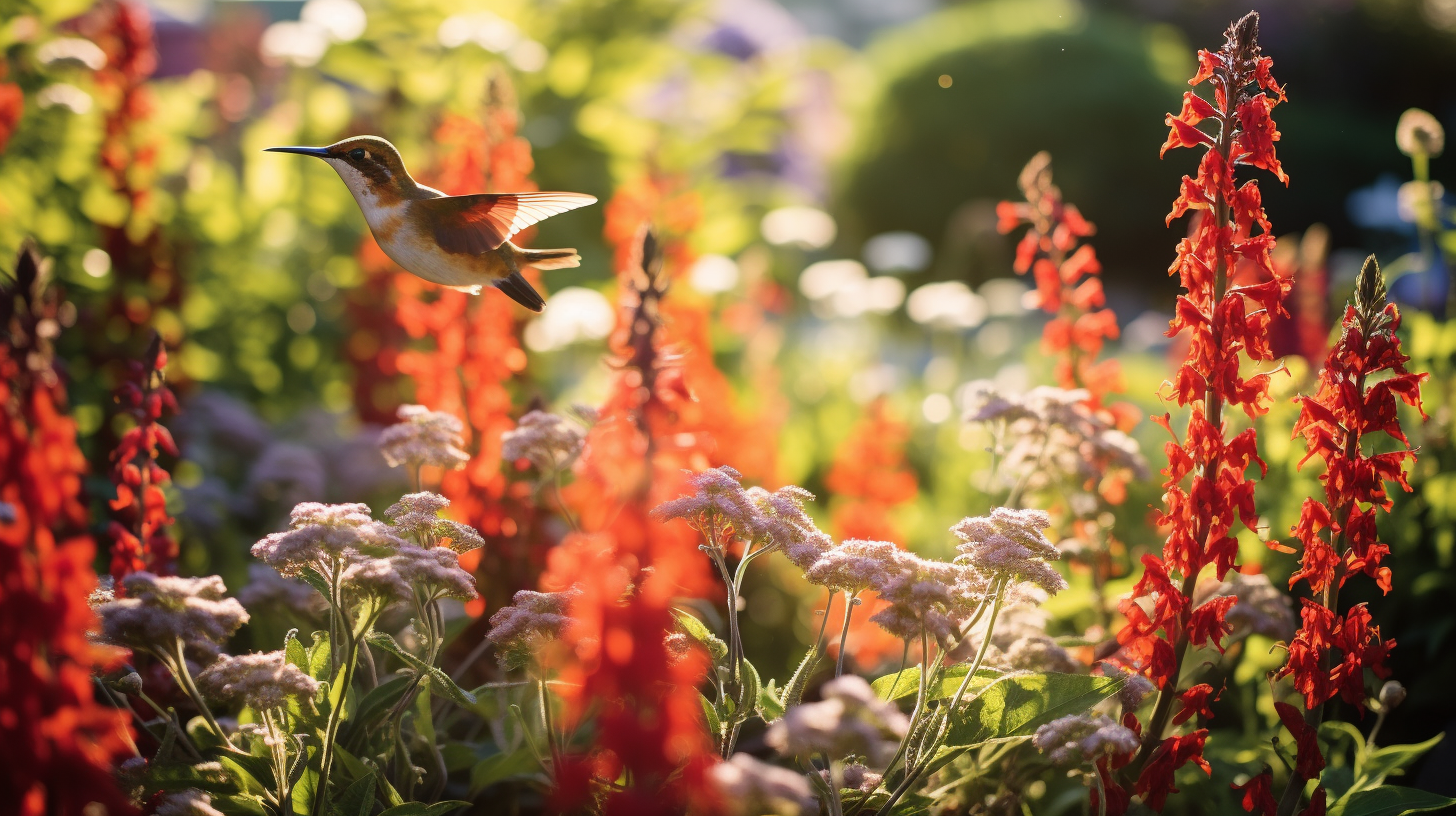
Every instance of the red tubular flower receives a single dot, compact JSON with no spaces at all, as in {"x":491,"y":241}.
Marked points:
{"x":1338,"y":535}
{"x":1194,"y":701}
{"x":1230,"y":291}
{"x":139,"y":531}
{"x":1067,"y":279}
{"x":1258,"y":796}
{"x":56,"y":742}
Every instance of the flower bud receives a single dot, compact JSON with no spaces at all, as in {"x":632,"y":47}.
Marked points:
{"x":1418,"y":132}
{"x":129,"y":683}
{"x":1392,"y":694}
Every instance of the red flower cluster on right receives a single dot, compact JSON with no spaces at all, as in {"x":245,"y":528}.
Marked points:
{"x":1068,"y":279}
{"x":1224,"y":323}
{"x":1338,"y":534}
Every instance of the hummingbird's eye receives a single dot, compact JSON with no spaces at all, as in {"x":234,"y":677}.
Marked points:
{"x":358,"y":154}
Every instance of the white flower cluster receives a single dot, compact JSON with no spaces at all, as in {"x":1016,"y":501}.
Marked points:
{"x":1083,"y":738}
{"x":1011,"y":543}
{"x":159,"y":611}
{"x":532,"y":618}
{"x":1054,"y":436}
{"x":752,"y":787}
{"x":850,"y":721}
{"x":375,"y":562}
{"x":188,"y":802}
{"x":268,"y":589}
{"x":1135,"y":687}
{"x":263,"y":680}
{"x":424,"y":437}
{"x":417,"y":516}
{"x":549,"y":442}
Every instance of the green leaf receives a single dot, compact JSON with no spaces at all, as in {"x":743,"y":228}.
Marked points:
{"x":440,"y":679}
{"x":500,"y":767}
{"x":794,"y":691}
{"x":1015,"y":705}
{"x":422,"y":809}
{"x":907,"y":683}
{"x":697,"y":630}
{"x":316,"y":580}
{"x":358,"y":798}
{"x":320,"y":654}
{"x":380,"y":699}
{"x":710,"y":714}
{"x":1378,"y":763}
{"x":357,"y":769}
{"x":294,"y":651}
{"x":1390,"y":800}
{"x":241,"y":804}
{"x":752,"y":685}
{"x":770,"y":703}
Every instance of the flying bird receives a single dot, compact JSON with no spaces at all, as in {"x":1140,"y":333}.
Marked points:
{"x":462,"y":242}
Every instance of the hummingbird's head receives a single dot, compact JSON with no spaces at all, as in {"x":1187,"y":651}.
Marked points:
{"x":370,"y":166}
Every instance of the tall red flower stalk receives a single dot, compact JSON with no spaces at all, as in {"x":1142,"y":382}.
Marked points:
{"x":1363,"y":379}
{"x":139,"y":530}
{"x":1206,"y":487}
{"x":57,"y":744}
{"x":1068,"y":279}
{"x":629,"y":567}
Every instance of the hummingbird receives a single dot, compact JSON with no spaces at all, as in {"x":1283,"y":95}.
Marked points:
{"x":462,"y":242}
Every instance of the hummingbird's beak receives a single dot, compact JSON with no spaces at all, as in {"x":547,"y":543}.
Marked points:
{"x":317,"y":152}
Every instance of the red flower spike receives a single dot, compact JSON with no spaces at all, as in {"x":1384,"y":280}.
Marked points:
{"x":140,"y":537}
{"x":1065,"y":275}
{"x":1258,"y":796}
{"x":1230,"y":292}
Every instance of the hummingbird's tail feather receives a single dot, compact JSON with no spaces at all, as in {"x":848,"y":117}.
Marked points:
{"x":517,"y":289}
{"x":549,"y":258}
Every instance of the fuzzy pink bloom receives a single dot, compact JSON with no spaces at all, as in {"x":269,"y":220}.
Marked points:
{"x":784,"y":524}
{"x":850,"y":720}
{"x":424,"y":437}
{"x":721,"y":507}
{"x":752,"y":787}
{"x":549,"y":442}
{"x":435,"y":571}
{"x":1083,"y":738}
{"x":1010,"y":542}
{"x":159,"y":611}
{"x":417,"y":516}
{"x":532,"y":617}
{"x":261,"y":680}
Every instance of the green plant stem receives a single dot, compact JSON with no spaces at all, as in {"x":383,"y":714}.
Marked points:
{"x":336,"y":711}
{"x":546,"y":725}
{"x":184,"y":678}
{"x":849,"y":601}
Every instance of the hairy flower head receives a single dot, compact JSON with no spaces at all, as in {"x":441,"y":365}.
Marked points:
{"x":751,"y":787}
{"x":321,"y":533}
{"x":549,"y":442}
{"x":785,"y":525}
{"x":267,"y":589}
{"x":261,"y":680}
{"x":157,"y":612}
{"x":532,"y":618}
{"x":850,"y":720}
{"x":1083,"y":738}
{"x":1010,"y":542}
{"x":720,"y":507}
{"x":417,"y":516}
{"x":424,"y":437}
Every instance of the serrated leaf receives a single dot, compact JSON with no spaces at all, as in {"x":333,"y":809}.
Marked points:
{"x":1378,"y":763}
{"x":1390,"y":800}
{"x":699,"y":631}
{"x":1015,"y":705}
{"x":794,"y":690}
{"x":440,"y":679}
{"x":906,"y":683}
{"x":422,"y":809}
{"x":500,"y":767}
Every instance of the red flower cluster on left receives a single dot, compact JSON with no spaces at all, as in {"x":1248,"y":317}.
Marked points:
{"x":57,"y":744}
{"x":1068,"y":279}
{"x":139,"y":530}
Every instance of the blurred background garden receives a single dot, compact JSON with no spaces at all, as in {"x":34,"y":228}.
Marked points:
{"x":826,"y":175}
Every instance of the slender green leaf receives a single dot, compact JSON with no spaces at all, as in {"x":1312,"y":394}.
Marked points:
{"x":319,"y":655}
{"x":752,"y":685}
{"x":1390,"y":800}
{"x":770,"y":703}
{"x":380,"y":699}
{"x":422,"y":809}
{"x":500,"y":767}
{"x":357,"y":769}
{"x":794,"y":690}
{"x":1014,"y":706}
{"x":294,"y":651}
{"x":312,"y":577}
{"x":440,"y":679}
{"x":697,"y":630}
{"x":710,"y":714}
{"x":1378,"y":763}
{"x":241,"y":804}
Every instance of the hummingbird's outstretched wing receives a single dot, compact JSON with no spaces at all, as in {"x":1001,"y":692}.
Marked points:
{"x":474,"y":224}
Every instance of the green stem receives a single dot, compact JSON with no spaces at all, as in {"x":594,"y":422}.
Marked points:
{"x":844,"y":633}
{"x":336,"y":712}
{"x":184,"y":678}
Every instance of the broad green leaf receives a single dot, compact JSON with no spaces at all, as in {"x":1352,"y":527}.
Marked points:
{"x":424,"y":719}
{"x":319,"y":656}
{"x":294,"y":651}
{"x":357,"y":769}
{"x":752,"y":685}
{"x":500,"y":767}
{"x":254,"y":774}
{"x":380,"y":699}
{"x":358,"y":798}
{"x":907,"y":683}
{"x":770,"y":703}
{"x":1337,"y":781}
{"x":1390,"y":800}
{"x":1014,"y":706}
{"x":697,"y":630}
{"x":312,"y":577}
{"x":241,"y":804}
{"x":1378,"y":763}
{"x":438,"y":678}
{"x":1332,"y":730}
{"x":422,"y":809}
